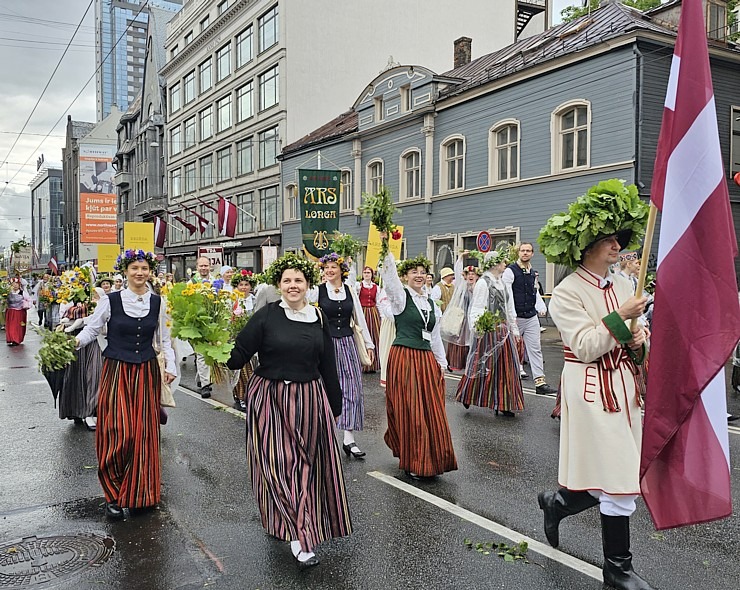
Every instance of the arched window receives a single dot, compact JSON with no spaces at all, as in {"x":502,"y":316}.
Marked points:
{"x":571,"y":139}
{"x":410,"y":174}
{"x":452,"y":164}
{"x":291,"y":202}
{"x":374,"y":176}
{"x":503,"y":149}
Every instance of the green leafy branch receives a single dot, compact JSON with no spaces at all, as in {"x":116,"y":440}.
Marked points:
{"x":346,"y":245}
{"x":488,"y":322}
{"x":509,"y":553}
{"x":56,"y":352}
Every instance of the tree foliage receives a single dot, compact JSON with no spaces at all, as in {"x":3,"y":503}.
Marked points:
{"x":573,"y":12}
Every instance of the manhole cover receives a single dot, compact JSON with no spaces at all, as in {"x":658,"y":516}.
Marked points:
{"x":32,"y":561}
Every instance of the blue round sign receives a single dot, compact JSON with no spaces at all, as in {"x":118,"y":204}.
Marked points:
{"x":483,"y":241}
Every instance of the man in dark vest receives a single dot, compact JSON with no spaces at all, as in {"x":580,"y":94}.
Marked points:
{"x":523,"y":280}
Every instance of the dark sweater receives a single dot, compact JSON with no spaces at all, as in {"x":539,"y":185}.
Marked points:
{"x":289,"y":351}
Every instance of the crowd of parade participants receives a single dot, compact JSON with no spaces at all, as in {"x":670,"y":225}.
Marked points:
{"x":297,"y":374}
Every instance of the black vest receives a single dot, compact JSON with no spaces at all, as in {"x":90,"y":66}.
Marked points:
{"x":130,"y":339}
{"x":339,"y":313}
{"x":525,"y":294}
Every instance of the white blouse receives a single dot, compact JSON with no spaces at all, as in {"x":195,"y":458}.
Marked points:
{"x":479,"y":304}
{"x":134,"y":306}
{"x":308,"y":314}
{"x":396,"y":293}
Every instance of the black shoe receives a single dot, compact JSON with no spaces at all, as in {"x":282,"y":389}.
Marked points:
{"x":78,"y":421}
{"x":113,"y":511}
{"x":508,"y":414}
{"x":354,"y":450}
{"x":466,"y":406}
{"x":310,"y":562}
{"x":206,"y":391}
{"x":413,"y":475}
{"x":732,"y":418}
{"x":545,"y":389}
{"x":558,"y":505}
{"x":618,"y":572}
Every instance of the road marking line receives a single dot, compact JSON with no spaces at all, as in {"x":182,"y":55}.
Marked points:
{"x":500,"y":530}
{"x":212,"y":402}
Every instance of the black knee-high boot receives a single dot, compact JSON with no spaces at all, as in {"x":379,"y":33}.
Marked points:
{"x":558,"y":505}
{"x":618,"y":572}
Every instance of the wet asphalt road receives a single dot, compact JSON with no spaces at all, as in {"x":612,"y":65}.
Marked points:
{"x":206,"y":532}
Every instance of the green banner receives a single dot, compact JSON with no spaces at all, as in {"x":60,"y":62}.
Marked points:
{"x":318,"y":193}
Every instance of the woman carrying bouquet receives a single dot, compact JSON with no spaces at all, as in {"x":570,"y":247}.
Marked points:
{"x":17,"y":305}
{"x":369,"y":294}
{"x":418,"y":433}
{"x":242,"y":283}
{"x":292,"y":401}
{"x":127,"y":438}
{"x":491,"y":378}
{"x":340,"y":304}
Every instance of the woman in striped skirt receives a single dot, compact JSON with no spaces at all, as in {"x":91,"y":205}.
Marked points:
{"x":127,"y":435}
{"x":340,"y":304}
{"x":491,"y":378}
{"x":292,"y":401}
{"x":369,"y":294}
{"x":418,"y":432}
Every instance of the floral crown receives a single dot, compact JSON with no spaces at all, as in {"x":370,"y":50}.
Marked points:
{"x":275,"y":271}
{"x":471,"y":268}
{"x":130,"y":256}
{"x":490,"y":259}
{"x":334,"y":257}
{"x":411,"y":263}
{"x":243,"y":275}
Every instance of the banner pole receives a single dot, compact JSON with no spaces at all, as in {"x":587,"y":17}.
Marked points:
{"x":318,"y":160}
{"x":646,"y":246}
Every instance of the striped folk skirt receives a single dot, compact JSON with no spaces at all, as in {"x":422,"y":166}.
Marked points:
{"x":456,"y":356}
{"x":387,"y":336}
{"x":418,"y":432}
{"x":350,"y":380}
{"x":79,"y":395}
{"x":127,"y":435}
{"x":294,"y":462}
{"x":491,"y":378}
{"x":242,"y":379}
{"x":15,"y":325}
{"x":372,"y":319}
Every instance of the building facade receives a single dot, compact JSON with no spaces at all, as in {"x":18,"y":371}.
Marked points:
{"x":120,"y":42}
{"x":503,"y":142}
{"x":246,"y":77}
{"x":87,"y":171}
{"x":47,"y":201}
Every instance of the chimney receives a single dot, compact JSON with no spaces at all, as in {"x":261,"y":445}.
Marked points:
{"x":463,"y":51}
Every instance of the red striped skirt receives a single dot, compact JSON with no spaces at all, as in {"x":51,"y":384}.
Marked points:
{"x":127,"y":435}
{"x":240,"y":389}
{"x":491,"y":378}
{"x":372,"y":318}
{"x":456,"y":356}
{"x":294,"y":462}
{"x":418,"y":432}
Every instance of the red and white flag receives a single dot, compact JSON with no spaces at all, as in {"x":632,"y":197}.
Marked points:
{"x":53,"y":265}
{"x":160,"y":232}
{"x":203,"y":223}
{"x":226,"y":218}
{"x":685,"y":470}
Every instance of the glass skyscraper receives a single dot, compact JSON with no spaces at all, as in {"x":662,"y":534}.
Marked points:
{"x":118,"y":80}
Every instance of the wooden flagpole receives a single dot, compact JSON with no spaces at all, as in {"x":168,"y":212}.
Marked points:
{"x":646,"y":247}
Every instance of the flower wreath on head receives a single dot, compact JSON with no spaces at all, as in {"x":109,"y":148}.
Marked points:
{"x":334,"y":257}
{"x":274,"y":272}
{"x":492,"y":258}
{"x":130,"y":256}
{"x":471,"y":268}
{"x":411,"y":263}
{"x":243,"y":275}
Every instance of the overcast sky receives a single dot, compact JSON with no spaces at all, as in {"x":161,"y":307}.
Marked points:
{"x":33,"y":35}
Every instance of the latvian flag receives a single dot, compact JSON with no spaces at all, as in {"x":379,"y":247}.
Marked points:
{"x":160,"y":231}
{"x":685,"y":470}
{"x":203,"y":223}
{"x":187,"y":225}
{"x":226,"y":218}
{"x":53,"y":265}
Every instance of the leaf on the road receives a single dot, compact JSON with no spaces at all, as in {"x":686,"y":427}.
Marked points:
{"x":510,"y":554}
{"x":658,"y":536}
{"x":89,"y":466}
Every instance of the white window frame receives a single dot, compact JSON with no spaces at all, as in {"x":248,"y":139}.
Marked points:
{"x":225,"y":174}
{"x":403,"y":171}
{"x":190,"y":178}
{"x":345,"y":191}
{"x":240,"y":114}
{"x":269,"y":87}
{"x":245,"y":145}
{"x":175,"y":91}
{"x":223,"y":105}
{"x":444,"y":161}
{"x":369,"y":179}
{"x":209,"y":63}
{"x":493,"y":148}
{"x":243,"y":40}
{"x":556,"y":133}
{"x":175,"y":140}
{"x":205,"y":179}
{"x":206,"y":127}
{"x":176,"y":182}
{"x":223,"y":62}
{"x":189,"y":130}
{"x":273,"y":21}
{"x":188,"y":98}
{"x":263,"y":140}
{"x":291,"y":202}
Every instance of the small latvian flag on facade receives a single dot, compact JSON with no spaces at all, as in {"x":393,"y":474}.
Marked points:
{"x":226,"y":218}
{"x":160,"y":231}
{"x":53,"y":265}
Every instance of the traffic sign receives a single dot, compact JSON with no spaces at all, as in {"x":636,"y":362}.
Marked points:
{"x":483,"y":241}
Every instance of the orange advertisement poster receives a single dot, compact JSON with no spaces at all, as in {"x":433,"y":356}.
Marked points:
{"x":98,"y":200}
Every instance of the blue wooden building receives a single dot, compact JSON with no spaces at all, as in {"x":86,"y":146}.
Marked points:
{"x":506,"y":140}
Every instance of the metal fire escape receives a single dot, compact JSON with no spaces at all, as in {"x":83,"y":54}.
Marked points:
{"x":525,"y":10}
